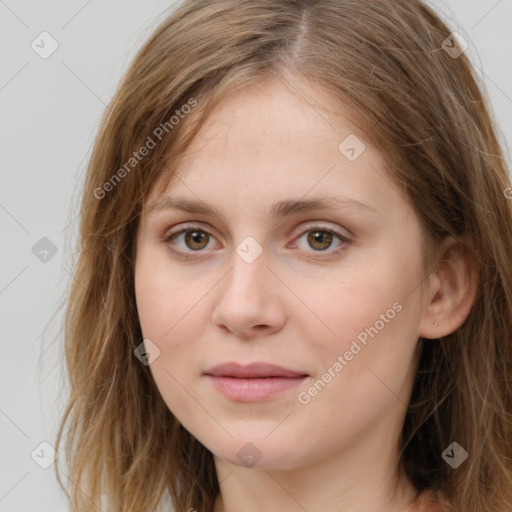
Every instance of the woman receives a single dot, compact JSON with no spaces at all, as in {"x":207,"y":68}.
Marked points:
{"x":294,"y":282}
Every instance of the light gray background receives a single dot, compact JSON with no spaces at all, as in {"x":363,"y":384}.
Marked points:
{"x":50,"y":113}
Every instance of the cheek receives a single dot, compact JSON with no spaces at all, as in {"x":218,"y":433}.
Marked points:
{"x":164,"y":315}
{"x":348,"y":303}
{"x":162,"y":297}
{"x":167,"y":305}
{"x":371,"y":321}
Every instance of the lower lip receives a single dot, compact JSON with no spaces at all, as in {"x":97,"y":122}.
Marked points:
{"x":254,"y":390}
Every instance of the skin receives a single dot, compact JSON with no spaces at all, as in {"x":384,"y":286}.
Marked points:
{"x":264,"y":145}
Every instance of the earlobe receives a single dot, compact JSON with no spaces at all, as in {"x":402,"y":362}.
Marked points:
{"x":452,"y":290}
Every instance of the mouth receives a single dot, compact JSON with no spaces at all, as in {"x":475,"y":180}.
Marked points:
{"x":253,"y":383}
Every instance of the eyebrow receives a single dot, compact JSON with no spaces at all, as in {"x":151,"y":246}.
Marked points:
{"x":279,"y":210}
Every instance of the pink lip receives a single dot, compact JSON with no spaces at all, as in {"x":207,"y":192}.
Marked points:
{"x":252,"y":383}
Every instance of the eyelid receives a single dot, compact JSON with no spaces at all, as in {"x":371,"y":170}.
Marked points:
{"x":329,"y":253}
{"x":185,"y":227}
{"x":322,"y":225}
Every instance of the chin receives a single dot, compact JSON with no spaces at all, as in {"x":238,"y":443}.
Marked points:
{"x":256,"y":452}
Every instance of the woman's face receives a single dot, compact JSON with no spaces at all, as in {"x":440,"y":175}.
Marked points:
{"x":328,"y":292}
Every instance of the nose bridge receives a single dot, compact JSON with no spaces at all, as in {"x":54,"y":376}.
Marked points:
{"x":249,"y":270}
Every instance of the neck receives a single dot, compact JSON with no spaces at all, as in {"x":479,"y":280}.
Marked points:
{"x":338,"y":482}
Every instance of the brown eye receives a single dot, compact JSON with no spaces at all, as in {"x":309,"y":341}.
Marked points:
{"x":196,"y":239}
{"x":320,"y":242}
{"x":188,"y":239}
{"x":319,"y":239}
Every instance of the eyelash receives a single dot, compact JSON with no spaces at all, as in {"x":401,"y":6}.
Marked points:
{"x":185,"y":255}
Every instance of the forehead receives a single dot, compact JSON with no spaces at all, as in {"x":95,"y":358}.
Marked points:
{"x":269,"y":144}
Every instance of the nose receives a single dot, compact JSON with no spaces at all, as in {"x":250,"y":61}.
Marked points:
{"x":249,"y":300}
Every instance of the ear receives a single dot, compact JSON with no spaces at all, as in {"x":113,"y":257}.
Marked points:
{"x":451,"y":290}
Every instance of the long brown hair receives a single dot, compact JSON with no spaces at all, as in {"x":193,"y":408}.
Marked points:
{"x":387,"y":63}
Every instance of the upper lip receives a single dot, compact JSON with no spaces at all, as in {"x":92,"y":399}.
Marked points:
{"x":253,"y":370}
